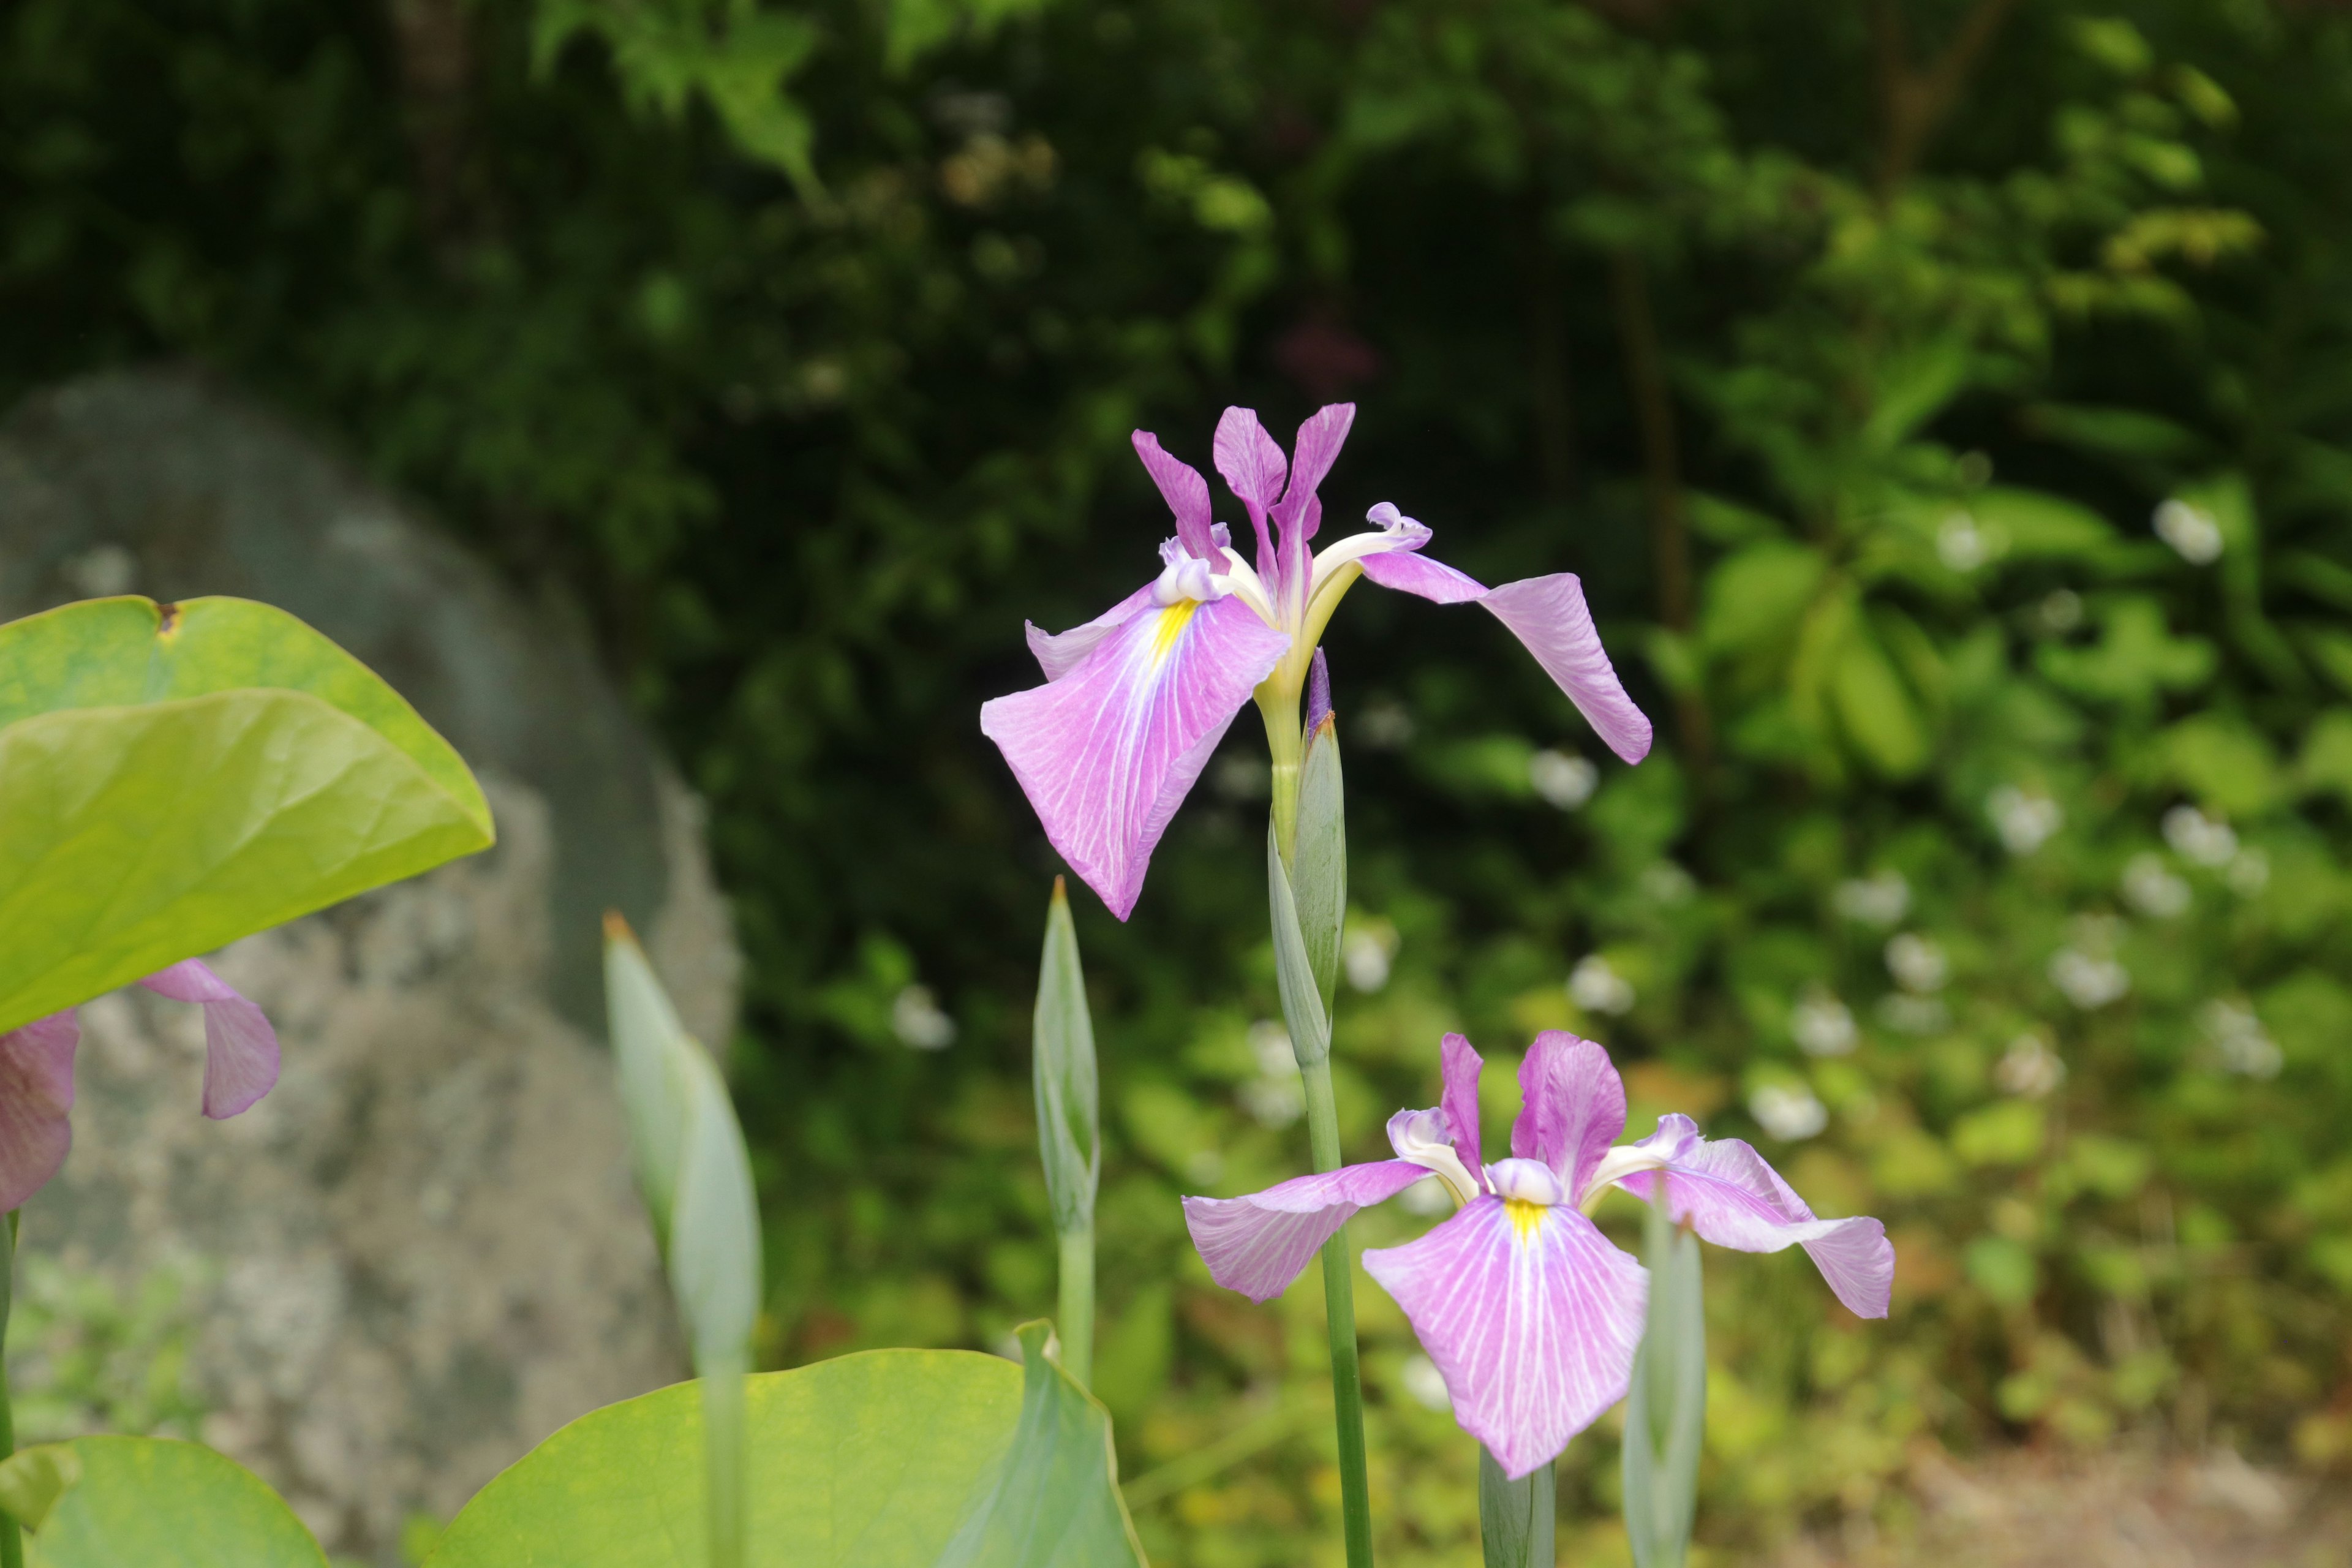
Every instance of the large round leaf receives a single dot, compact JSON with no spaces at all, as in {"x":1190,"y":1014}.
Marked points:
{"x":173,"y":778}
{"x":105,"y":1502}
{"x":865,"y":1461}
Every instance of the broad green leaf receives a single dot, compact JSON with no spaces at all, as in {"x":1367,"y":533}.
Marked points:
{"x":1055,"y":1501}
{"x":2227,"y":765}
{"x":1318,"y":870}
{"x":2127,"y":433}
{"x":1294,"y":970}
{"x":175,"y":778}
{"x":2325,"y":763}
{"x":1665,"y":1410}
{"x":1876,"y":709}
{"x":1067,"y":1088}
{"x":1756,"y":596}
{"x":2136,"y":657}
{"x":2031,"y":525}
{"x":157,"y":1502}
{"x":867,"y":1461}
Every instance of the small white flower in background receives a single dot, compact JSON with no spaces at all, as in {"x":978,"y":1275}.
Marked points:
{"x":1663,"y":882}
{"x":1822,"y":1025}
{"x":1916,"y":963}
{"x":101,"y":572}
{"x":1278,"y":1096}
{"x":1365,"y":953}
{"x":1788,"y":1113}
{"x":1566,"y":781}
{"x":1384,"y":726}
{"x":1243,"y":777}
{"x":1275,"y":1103}
{"x":2024,"y":821}
{"x":1597,"y":988}
{"x":1961,"y":545}
{"x":2244,"y":1047}
{"x":2060,"y":612}
{"x":2198,"y":837}
{"x":1269,"y":1043}
{"x":2152,"y":889}
{"x":2191,"y":531}
{"x":1427,"y":1196}
{"x":1880,"y":899}
{"x":1910,"y":1014}
{"x":915,"y":1019}
{"x":2249,"y":873}
{"x":1423,"y":1383}
{"x":2029,"y":1069}
{"x":2088,"y":983}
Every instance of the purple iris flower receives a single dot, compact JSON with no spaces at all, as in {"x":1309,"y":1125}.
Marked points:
{"x":1137,"y":699}
{"x":37,"y":1087}
{"x":1532,"y":1314}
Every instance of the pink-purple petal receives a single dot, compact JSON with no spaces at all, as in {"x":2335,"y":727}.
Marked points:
{"x":1058,"y":653}
{"x":1573,"y":1105}
{"x":1106,"y":752}
{"x":36,"y":1093}
{"x":1184,"y":490}
{"x":1532,"y":1318}
{"x":240,"y":1047}
{"x":1253,"y":467}
{"x":1462,"y":1066}
{"x":1319,"y":440}
{"x":1727,"y":1192}
{"x":1551,"y":620}
{"x":1257,"y":1245}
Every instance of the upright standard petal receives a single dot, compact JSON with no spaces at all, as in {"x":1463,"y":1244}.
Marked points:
{"x":1257,"y":1245}
{"x":240,"y":1047}
{"x":1727,"y":1193}
{"x":1531,"y":1315}
{"x":36,"y":1091}
{"x":1058,"y":653}
{"x":1462,"y":1066}
{"x":1549,"y":617}
{"x":1106,"y":752}
{"x":1319,"y":440}
{"x":1184,"y":490}
{"x":1573,"y":1105}
{"x":1253,"y":467}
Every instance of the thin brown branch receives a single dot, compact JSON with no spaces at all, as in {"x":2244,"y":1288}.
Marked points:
{"x":1915,"y":103}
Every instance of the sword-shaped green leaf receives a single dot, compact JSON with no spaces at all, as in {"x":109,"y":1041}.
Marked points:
{"x":1665,"y":1413}
{"x":1069,"y":1138}
{"x":1294,"y":968}
{"x":1319,"y":869}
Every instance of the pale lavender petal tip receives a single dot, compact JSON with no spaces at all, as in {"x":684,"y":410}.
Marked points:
{"x":36,"y":1093}
{"x":1531,"y":1316}
{"x":1732,"y":1197}
{"x":1106,"y":752}
{"x":1550,"y":618}
{"x":1318,"y":447}
{"x":1257,"y":1245}
{"x":1184,"y":490}
{"x":240,"y":1047}
{"x":1573,"y":1105}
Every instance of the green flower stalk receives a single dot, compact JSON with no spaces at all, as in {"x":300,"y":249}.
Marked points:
{"x":1069,"y":1135}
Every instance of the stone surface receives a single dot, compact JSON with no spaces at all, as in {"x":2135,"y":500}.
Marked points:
{"x":422,"y":1252}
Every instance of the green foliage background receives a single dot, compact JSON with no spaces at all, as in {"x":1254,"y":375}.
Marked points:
{"x":1847,"y":351}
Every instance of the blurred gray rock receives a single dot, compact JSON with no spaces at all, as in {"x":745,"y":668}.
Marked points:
{"x":422,"y":1253}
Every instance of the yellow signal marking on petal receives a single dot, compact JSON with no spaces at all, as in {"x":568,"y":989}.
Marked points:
{"x":1525,"y":1218}
{"x":1171,"y":627}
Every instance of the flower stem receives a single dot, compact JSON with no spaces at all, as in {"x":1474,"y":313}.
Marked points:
{"x":1516,"y":1517}
{"x":1076,"y":1321}
{"x":1340,"y":1304}
{"x":12,"y":1548}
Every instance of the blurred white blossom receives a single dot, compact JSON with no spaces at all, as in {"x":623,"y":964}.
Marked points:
{"x":1424,"y":1384}
{"x":2152,"y":889}
{"x":1880,"y":899}
{"x":1788,"y":1112}
{"x":2249,"y":873}
{"x":2198,"y":837}
{"x":2239,"y":1039}
{"x":1384,"y":726}
{"x":1565,"y":780}
{"x":1916,"y":963}
{"x":1910,"y":1014}
{"x":2191,"y":531}
{"x":1663,"y":882}
{"x":1275,"y":1101}
{"x":1822,"y":1025}
{"x":1961,"y":545}
{"x":2087,"y":982}
{"x":2060,"y":612}
{"x":1269,"y":1043}
{"x":916,"y":1020}
{"x":2024,"y":821}
{"x":2029,"y":1069}
{"x":1597,"y":988}
{"x":1365,"y":953}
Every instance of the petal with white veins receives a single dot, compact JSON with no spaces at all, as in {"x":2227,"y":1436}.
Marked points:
{"x":1184,"y":490}
{"x":1531,"y":1315}
{"x":1107,"y":752}
{"x":1573,"y":1105}
{"x":1257,"y":1245}
{"x":1058,"y":653}
{"x":1727,"y":1193}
